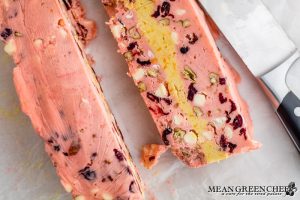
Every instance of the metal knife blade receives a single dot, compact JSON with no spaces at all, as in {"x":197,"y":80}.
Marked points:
{"x":252,"y":31}
{"x":265,"y":49}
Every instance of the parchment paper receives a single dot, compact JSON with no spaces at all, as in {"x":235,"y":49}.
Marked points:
{"x":27,"y":174}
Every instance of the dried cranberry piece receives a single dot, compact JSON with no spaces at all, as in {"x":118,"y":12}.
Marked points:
{"x":143,"y":62}
{"x":231,"y":147}
{"x":6,"y":33}
{"x":94,"y":155}
{"x":222,"y":99}
{"x":243,"y":132}
{"x":168,"y":101}
{"x":119,"y":155}
{"x":87,"y":173}
{"x":237,"y":122}
{"x":128,"y":171}
{"x":157,"y":12}
{"x":110,"y":178}
{"x":192,"y":91}
{"x":166,"y":132}
{"x":184,"y":49}
{"x":74,"y":148}
{"x":131,"y":189}
{"x":171,"y":15}
{"x":228,"y":117}
{"x":192,"y":39}
{"x":152,"y":97}
{"x":56,"y":147}
{"x":158,"y":110}
{"x":151,"y":158}
{"x":222,"y":81}
{"x":50,"y":141}
{"x":165,"y":8}
{"x":232,"y":106}
{"x":131,"y":46}
{"x":157,"y":99}
{"x":223,"y":142}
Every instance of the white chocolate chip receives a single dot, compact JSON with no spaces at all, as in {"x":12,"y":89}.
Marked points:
{"x":139,"y":74}
{"x":84,"y":103}
{"x":161,"y":91}
{"x":190,"y":138}
{"x":107,"y":196}
{"x":201,"y":140}
{"x":174,"y":36}
{"x":177,"y":120}
{"x":228,"y":132}
{"x":116,"y":30}
{"x":180,"y":12}
{"x":150,"y":54}
{"x":80,"y":197}
{"x":156,"y":66}
{"x":186,"y":23}
{"x":63,"y":32}
{"x":38,"y":43}
{"x":52,"y":39}
{"x":10,"y":47}
{"x":208,"y":135}
{"x":219,"y":122}
{"x":67,"y":186}
{"x":129,"y":15}
{"x":84,"y":100}
{"x":95,"y":191}
{"x":199,"y":99}
{"x":122,"y":45}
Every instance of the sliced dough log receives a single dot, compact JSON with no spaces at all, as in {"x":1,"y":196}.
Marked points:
{"x":58,"y":90}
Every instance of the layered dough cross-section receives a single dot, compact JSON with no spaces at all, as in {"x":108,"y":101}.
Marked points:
{"x":190,"y":91}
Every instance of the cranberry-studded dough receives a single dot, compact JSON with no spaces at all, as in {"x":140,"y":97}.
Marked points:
{"x":85,"y":29}
{"x":188,"y":88}
{"x":59,"y":92}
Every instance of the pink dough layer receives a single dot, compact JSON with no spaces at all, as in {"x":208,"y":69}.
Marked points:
{"x":210,"y":87}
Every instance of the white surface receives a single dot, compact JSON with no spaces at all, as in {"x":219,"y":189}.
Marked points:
{"x":26,"y":172}
{"x":253,"y":33}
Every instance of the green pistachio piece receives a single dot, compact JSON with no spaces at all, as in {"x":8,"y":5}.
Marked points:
{"x":134,"y":33}
{"x":186,"y":153}
{"x":142,"y":86}
{"x":178,"y":133}
{"x":18,"y":34}
{"x":164,"y":22}
{"x":189,"y":74}
{"x":185,"y":23}
{"x":152,"y":73}
{"x":213,"y":78}
{"x":128,"y":56}
{"x":198,"y":112}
